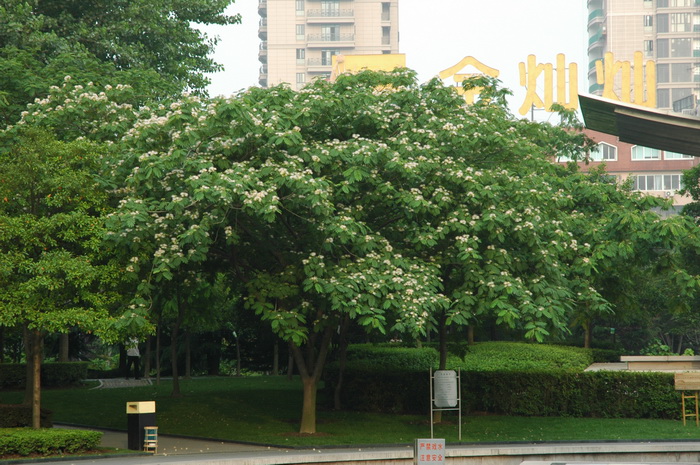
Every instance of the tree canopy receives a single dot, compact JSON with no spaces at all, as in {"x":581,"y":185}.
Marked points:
{"x":373,"y":198}
{"x":152,"y":45}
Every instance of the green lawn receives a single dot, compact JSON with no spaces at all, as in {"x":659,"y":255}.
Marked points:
{"x":267,"y":410}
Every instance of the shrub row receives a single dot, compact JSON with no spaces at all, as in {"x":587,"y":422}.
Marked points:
{"x":524,"y":393}
{"x":522,"y":356}
{"x":14,"y":416}
{"x":14,"y":375}
{"x":25,"y":441}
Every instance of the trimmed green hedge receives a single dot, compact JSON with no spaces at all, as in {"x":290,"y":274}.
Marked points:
{"x":14,"y":375}
{"x":503,"y":378}
{"x":585,"y":394}
{"x":17,"y":415}
{"x":25,"y":441}
{"x":496,"y":356}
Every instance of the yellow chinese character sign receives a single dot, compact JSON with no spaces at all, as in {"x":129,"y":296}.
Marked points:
{"x":456,"y":72}
{"x":560,"y":82}
{"x":637,"y":74}
{"x":531,"y":71}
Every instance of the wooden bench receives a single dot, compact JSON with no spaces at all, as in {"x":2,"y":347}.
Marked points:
{"x":689,"y":384}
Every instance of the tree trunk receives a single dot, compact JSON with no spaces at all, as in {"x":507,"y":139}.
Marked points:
{"x":342,"y":359}
{"x":173,"y":349}
{"x":63,"y":347}
{"x":147,"y":358}
{"x":238,"y":355}
{"x":290,"y":364}
{"x":310,"y":369}
{"x":587,"y":330}
{"x":37,"y":341}
{"x":470,"y":335}
{"x":158,"y":333}
{"x":33,"y":344}
{"x":276,"y":359}
{"x":188,"y":355}
{"x":308,"y":409}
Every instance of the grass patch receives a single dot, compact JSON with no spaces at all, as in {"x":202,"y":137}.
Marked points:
{"x":266,"y":410}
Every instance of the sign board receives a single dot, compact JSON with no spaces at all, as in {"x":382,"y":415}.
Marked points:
{"x":445,"y":388}
{"x":429,"y":452}
{"x":687,"y":381}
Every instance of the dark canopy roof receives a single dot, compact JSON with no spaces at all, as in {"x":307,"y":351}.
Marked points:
{"x":641,"y":125}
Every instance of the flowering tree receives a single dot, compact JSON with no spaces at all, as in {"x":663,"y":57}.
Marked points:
{"x":371,"y":198}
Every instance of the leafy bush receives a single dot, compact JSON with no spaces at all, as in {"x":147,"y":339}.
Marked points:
{"x":393,"y":358}
{"x":13,"y":416}
{"x":496,"y":356}
{"x":25,"y":441}
{"x":14,"y":375}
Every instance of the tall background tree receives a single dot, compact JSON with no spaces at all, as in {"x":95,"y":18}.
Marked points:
{"x":152,"y":45}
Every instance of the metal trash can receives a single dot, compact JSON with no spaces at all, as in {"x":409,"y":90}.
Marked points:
{"x":138,"y":416}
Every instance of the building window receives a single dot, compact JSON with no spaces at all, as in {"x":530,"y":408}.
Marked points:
{"x":299,"y":7}
{"x":662,"y":23}
{"x":327,"y":57}
{"x":681,"y":48}
{"x":386,"y":35}
{"x":661,"y":3}
{"x":681,"y":22}
{"x":640,"y":152}
{"x":386,"y":12}
{"x":661,"y":48}
{"x":604,"y":152}
{"x":681,"y":72}
{"x":301,"y":34}
{"x":330,"y":9}
{"x":648,"y":48}
{"x":663,"y":98}
{"x":301,"y":56}
{"x":681,"y":2}
{"x":330,"y":33}
{"x":676,"y":156}
{"x":301,"y":78}
{"x":648,"y":23}
{"x":662,"y":73}
{"x":657,"y":182}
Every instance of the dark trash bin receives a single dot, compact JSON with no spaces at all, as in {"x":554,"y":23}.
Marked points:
{"x":138,"y":416}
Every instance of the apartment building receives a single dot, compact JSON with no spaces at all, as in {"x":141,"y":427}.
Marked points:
{"x":300,"y":37}
{"x":667,"y":32}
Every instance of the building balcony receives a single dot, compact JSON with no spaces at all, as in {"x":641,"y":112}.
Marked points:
{"x":596,"y":16}
{"x":330,"y":40}
{"x":262,"y":53}
{"x":317,"y":16}
{"x":318,"y":65}
{"x":262,"y":7}
{"x":596,"y":41}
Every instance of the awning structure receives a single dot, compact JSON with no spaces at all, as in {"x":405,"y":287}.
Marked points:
{"x":641,"y":125}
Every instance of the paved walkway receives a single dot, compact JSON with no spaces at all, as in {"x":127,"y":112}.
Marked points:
{"x":122,"y":383}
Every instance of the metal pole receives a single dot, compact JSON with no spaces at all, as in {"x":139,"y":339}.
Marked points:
{"x":431,"y":402}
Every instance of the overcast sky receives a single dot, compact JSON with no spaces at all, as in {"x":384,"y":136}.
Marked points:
{"x":436,"y":35}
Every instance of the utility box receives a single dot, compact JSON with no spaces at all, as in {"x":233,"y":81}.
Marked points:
{"x":138,"y":416}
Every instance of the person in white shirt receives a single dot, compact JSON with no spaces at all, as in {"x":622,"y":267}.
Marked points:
{"x":133,"y":357}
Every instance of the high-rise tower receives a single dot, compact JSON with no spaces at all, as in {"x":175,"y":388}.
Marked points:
{"x":666,"y":31}
{"x":300,"y":37}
